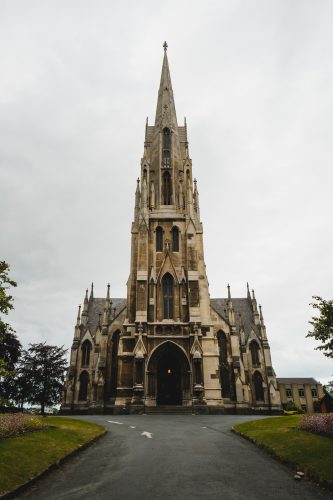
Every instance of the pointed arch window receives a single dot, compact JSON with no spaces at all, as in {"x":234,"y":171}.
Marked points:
{"x":167,"y":189}
{"x":225,"y":382}
{"x":175,"y":239}
{"x":166,"y":148}
{"x":159,"y":239}
{"x":86,"y":348}
{"x":167,"y":291}
{"x":114,"y":363}
{"x":258,"y":388}
{"x":84,"y":382}
{"x":254,"y":349}
{"x":223,"y":345}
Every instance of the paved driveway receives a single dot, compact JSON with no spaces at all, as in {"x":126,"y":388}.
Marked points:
{"x":172,"y":457}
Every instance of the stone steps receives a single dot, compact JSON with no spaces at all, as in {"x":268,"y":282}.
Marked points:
{"x":169,"y":409}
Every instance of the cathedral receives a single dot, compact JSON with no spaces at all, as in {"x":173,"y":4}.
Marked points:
{"x":168,"y":346}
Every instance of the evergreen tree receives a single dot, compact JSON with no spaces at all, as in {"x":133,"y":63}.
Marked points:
{"x":43,"y":367}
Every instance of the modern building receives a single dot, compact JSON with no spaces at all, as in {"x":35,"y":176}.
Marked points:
{"x":168,"y":343}
{"x":304,"y":392}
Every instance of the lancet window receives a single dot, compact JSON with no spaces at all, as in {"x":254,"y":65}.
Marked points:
{"x":223,"y":345}
{"x":84,"y":382}
{"x":114,"y":363}
{"x":166,"y":148}
{"x":167,"y":189}
{"x":167,"y":291}
{"x":254,"y":349}
{"x":86,"y":348}
{"x":175,"y":239}
{"x":159,"y":239}
{"x":258,"y":388}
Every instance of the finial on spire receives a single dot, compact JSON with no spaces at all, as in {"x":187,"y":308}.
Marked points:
{"x":253,"y":296}
{"x":229,"y":293}
{"x":260,"y":314}
{"x":92,"y":291}
{"x":78,"y":316}
{"x":165,"y":46}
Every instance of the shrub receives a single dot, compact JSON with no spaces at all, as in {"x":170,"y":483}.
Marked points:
{"x":14,"y":424}
{"x":291,"y":406}
{"x":318,"y":424}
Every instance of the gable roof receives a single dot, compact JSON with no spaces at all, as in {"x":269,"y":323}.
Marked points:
{"x":241,"y":306}
{"x":96,"y":306}
{"x":297,"y":380}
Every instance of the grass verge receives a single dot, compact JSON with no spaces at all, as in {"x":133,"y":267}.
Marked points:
{"x":310,"y":453}
{"x":25,"y":457}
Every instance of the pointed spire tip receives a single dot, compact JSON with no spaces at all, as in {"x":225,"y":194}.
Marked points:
{"x":165,"y":46}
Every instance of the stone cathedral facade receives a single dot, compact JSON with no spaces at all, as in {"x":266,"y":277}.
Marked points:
{"x":168,"y":344}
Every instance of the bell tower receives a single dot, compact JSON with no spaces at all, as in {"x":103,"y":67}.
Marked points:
{"x":167,"y":290}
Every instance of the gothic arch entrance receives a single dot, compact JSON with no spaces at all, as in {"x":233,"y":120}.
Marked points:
{"x":169,"y":375}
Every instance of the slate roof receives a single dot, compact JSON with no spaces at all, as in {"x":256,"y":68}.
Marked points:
{"x":241,"y":306}
{"x":296,"y":380}
{"x":96,"y":306}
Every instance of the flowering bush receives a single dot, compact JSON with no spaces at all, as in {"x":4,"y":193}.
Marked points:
{"x":319,"y":424}
{"x":13,"y":424}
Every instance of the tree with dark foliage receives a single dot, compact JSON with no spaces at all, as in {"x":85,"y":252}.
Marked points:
{"x":10,"y":346}
{"x":43,"y":367}
{"x":323,"y":325}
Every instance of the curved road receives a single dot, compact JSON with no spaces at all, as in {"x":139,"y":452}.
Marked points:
{"x":155,"y":457}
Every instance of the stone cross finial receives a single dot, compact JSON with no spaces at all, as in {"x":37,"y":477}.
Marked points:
{"x":165,"y":46}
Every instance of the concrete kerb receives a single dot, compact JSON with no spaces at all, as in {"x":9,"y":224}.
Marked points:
{"x":50,"y":468}
{"x":307,"y":474}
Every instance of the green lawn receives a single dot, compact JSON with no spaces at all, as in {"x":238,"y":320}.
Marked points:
{"x":303,"y":450}
{"x":24,"y":457}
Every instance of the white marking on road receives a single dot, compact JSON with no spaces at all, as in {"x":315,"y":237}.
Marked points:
{"x":132,"y":426}
{"x":203,"y":427}
{"x":113,"y":422}
{"x":147,"y":434}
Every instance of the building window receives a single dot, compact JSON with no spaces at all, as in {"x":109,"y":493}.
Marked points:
{"x":223,"y":346}
{"x":289,"y":393}
{"x":258,"y":388}
{"x":301,"y":393}
{"x":166,"y":149}
{"x":114,"y":364}
{"x":167,"y":189}
{"x":304,"y":407}
{"x":225,"y":382}
{"x":159,"y":239}
{"x":314,"y":393}
{"x":86,"y":348}
{"x":254,"y":349}
{"x":175,"y":239}
{"x":84,"y":381}
{"x":167,"y":290}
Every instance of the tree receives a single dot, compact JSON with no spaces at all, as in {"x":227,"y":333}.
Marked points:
{"x":6,"y":303}
{"x":43,"y":367}
{"x":323,"y":325}
{"x":10,"y":351}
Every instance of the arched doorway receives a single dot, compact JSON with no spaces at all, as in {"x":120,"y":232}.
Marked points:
{"x":169,"y":375}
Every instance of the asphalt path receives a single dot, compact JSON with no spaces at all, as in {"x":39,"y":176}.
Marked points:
{"x":172,"y":457}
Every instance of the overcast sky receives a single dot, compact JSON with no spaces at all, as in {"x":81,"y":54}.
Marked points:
{"x":255,"y":82}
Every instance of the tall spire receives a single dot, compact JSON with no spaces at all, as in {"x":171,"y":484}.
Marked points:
{"x":165,"y":109}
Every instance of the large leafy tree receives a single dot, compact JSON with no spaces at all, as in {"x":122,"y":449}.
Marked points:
{"x":42,"y":371}
{"x":9,"y":344}
{"x":323,"y":325}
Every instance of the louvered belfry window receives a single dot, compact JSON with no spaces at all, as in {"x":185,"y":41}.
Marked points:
{"x":166,"y":148}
